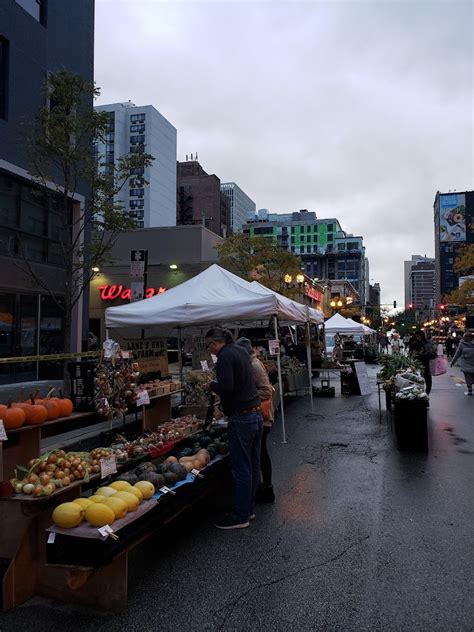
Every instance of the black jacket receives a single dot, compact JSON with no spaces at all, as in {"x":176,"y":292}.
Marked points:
{"x":235,"y":380}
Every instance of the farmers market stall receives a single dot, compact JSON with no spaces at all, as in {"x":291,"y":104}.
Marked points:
{"x":215,"y":295}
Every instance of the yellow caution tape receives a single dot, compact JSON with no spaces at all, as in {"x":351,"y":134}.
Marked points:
{"x":53,"y":357}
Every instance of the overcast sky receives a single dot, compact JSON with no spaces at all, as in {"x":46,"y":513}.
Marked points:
{"x":356,"y":110}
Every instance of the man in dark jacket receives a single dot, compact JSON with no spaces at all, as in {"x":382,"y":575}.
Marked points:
{"x":237,"y":389}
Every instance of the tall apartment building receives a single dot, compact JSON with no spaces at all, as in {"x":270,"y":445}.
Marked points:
{"x":407,"y":268}
{"x":200,"y":199}
{"x":453,"y":219}
{"x":36,"y":38}
{"x":240,"y":205}
{"x":326,"y":250}
{"x":422,"y":286}
{"x":134,"y":129}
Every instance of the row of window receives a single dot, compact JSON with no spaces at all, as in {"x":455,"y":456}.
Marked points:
{"x":137,"y":118}
{"x":137,"y":192}
{"x":136,"y":214}
{"x":140,"y":138}
{"x":137,"y":128}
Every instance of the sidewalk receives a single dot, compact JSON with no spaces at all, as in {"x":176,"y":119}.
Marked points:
{"x":362,"y":536}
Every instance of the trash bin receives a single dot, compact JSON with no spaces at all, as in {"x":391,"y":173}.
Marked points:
{"x":411,"y":425}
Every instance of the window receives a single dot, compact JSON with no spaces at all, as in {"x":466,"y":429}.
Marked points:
{"x":137,"y":139}
{"x":137,"y":192}
{"x":110,"y":122}
{"x":352,"y":245}
{"x":264,"y":230}
{"x":140,"y":224}
{"x":137,"y":118}
{"x":136,"y":183}
{"x":137,"y":149}
{"x":330,"y":237}
{"x":302,"y":228}
{"x":138,"y":171}
{"x":330,"y":228}
{"x":341,"y":247}
{"x":4,"y":49}
{"x":308,"y":249}
{"x":110,"y":137}
{"x":137,"y":203}
{"x":292,"y":249}
{"x":36,"y":8}
{"x":137,"y":128}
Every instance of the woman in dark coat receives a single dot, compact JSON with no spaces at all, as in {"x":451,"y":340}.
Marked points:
{"x":422,"y":350}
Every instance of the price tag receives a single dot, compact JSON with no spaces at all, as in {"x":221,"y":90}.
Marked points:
{"x":108,"y":466}
{"x":143,"y":398}
{"x":3,"y":434}
{"x":167,"y":490}
{"x":51,"y":537}
{"x":107,"y":530}
{"x":204,"y":365}
{"x":214,"y":358}
{"x":274,"y":347}
{"x":196,"y":473}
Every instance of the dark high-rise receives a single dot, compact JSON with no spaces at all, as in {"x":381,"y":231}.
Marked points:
{"x":453,"y":218}
{"x":36,"y":37}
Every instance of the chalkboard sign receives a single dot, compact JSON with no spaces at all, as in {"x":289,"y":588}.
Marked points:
{"x":362,"y":377}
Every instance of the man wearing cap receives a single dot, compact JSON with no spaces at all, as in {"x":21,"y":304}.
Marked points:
{"x":236,"y":387}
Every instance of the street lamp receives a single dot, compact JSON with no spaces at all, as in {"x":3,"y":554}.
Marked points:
{"x":288,"y":279}
{"x":300,"y":279}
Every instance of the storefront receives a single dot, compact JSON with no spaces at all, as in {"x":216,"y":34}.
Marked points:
{"x":175,"y":254}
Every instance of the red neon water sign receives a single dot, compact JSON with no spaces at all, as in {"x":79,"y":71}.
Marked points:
{"x":112,"y":292}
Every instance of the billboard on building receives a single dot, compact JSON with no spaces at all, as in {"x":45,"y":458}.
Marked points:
{"x":452,"y":217}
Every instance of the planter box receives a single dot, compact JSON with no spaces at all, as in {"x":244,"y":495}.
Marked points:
{"x":411,"y":425}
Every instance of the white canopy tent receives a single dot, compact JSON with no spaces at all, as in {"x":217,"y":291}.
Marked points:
{"x":337,"y":324}
{"x":214,"y":295}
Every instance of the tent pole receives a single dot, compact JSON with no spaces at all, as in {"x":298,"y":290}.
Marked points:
{"x":180,"y":355}
{"x":310,"y":368}
{"x":280,"y":384}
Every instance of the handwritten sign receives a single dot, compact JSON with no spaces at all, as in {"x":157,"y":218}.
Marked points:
{"x":51,"y":537}
{"x":274,"y":347}
{"x":107,"y":530}
{"x":108,"y":466}
{"x":167,"y":490}
{"x":214,"y":358}
{"x":3,"y":434}
{"x":143,"y":398}
{"x":204,"y":365}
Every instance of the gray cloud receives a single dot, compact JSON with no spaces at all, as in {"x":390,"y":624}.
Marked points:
{"x":359,"y":110}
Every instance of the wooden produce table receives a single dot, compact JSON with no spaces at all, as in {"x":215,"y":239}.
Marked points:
{"x":24,"y":443}
{"x":93,"y":571}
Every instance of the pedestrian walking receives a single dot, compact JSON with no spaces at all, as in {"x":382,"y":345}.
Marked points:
{"x":422,"y":350}
{"x":265,"y":391}
{"x":396,"y":344}
{"x":465,"y":355}
{"x":237,"y":389}
{"x":449,"y":345}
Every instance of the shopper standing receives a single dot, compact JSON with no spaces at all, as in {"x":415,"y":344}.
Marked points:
{"x":422,"y":350}
{"x":265,"y":390}
{"x":465,"y":355}
{"x":237,"y":389}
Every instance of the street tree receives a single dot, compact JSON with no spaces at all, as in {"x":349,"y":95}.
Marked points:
{"x":64,"y":162}
{"x":464,"y":266}
{"x":259,"y":258}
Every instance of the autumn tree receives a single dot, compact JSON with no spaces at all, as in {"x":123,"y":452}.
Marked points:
{"x":464,"y":266}
{"x":63,"y":163}
{"x":260,"y":259}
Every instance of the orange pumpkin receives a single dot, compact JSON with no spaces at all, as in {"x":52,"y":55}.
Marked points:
{"x":65,"y":405}
{"x":52,"y":409}
{"x":35,"y":413}
{"x":13,"y":417}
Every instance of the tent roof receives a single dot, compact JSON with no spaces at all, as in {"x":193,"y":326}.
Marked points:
{"x":337,"y":324}
{"x":214,"y":295}
{"x":366,"y":330}
{"x":314,"y":315}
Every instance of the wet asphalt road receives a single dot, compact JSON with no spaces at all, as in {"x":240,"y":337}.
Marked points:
{"x":362,"y":537}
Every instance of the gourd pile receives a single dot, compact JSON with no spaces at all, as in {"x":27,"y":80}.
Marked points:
{"x":108,"y":504}
{"x":35,"y":411}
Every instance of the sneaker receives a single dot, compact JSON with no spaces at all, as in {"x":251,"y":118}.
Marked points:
{"x":231,"y":522}
{"x":467,"y":392}
{"x":265,"y":494}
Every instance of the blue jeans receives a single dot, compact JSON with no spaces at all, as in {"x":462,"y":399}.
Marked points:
{"x":245,"y":436}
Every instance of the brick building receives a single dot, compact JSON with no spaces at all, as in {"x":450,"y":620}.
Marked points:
{"x":200,"y":200}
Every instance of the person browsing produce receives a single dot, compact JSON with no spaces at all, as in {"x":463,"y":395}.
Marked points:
{"x":237,"y":389}
{"x":265,"y":391}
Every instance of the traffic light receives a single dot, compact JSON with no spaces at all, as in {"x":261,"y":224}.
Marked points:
{"x":410,"y":306}
{"x":394,"y":304}
{"x":442,"y":307}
